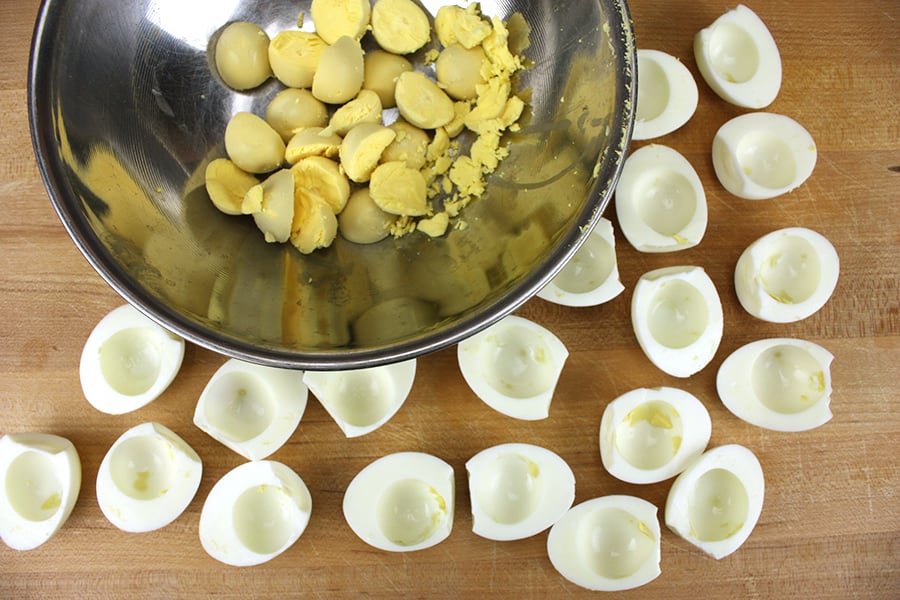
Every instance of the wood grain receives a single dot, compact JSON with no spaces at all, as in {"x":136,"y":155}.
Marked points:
{"x":830,"y":526}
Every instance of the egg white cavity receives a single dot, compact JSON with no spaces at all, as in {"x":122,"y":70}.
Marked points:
{"x":40,"y":474}
{"x":609,"y":543}
{"x":758,"y":156}
{"x":362,"y":400}
{"x":667,"y":95}
{"x":513,"y":366}
{"x":781,"y":384}
{"x":147,"y":478}
{"x":716,"y":502}
{"x":401,"y":502}
{"x":591,"y":276}
{"x":677,"y":319}
{"x":739,"y":59}
{"x":660,"y":202}
{"x":518,"y":490}
{"x":649,"y":435}
{"x":128,"y":361}
{"x":254,"y":513}
{"x":786,"y":275}
{"x":252,"y":409}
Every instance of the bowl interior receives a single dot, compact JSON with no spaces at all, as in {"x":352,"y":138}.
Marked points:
{"x":127,"y":110}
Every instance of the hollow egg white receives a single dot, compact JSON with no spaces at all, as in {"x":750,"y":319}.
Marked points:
{"x":609,"y":543}
{"x":677,"y":318}
{"x":667,"y":95}
{"x":254,"y":513}
{"x":781,"y":384}
{"x":513,"y":366}
{"x":251,"y":409}
{"x":401,"y":502}
{"x":786,"y":275}
{"x":518,"y":490}
{"x":660,"y":202}
{"x":362,"y":400}
{"x":128,"y":361}
{"x":147,"y":478}
{"x":40,"y":477}
{"x":716,"y":501}
{"x":649,"y":435}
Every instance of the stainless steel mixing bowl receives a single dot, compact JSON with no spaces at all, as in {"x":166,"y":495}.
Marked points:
{"x":126,"y":111}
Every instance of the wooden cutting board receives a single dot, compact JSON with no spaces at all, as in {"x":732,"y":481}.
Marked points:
{"x":830,"y":526}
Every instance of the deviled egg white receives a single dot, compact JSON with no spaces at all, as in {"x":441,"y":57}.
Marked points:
{"x":739,"y":59}
{"x":147,"y":478}
{"x":761,"y":155}
{"x":513,"y":366}
{"x":786,"y":275}
{"x":677,"y":318}
{"x":607,"y":544}
{"x":252,"y":409}
{"x":649,"y":435}
{"x":362,"y":400}
{"x":40,"y":475}
{"x":660,"y":201}
{"x":518,"y":490}
{"x":591,"y":276}
{"x":667,"y":95}
{"x":253,"y":513}
{"x":716,"y":501}
{"x":401,"y":502}
{"x":781,"y":384}
{"x":128,"y":361}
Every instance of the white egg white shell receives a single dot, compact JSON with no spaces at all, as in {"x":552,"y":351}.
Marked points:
{"x":781,"y":384}
{"x":786,"y":275}
{"x":128,"y":361}
{"x":518,"y":490}
{"x":147,"y":478}
{"x":591,"y":276}
{"x":610,"y":543}
{"x":667,"y":95}
{"x":739,"y":59}
{"x":650,"y":435}
{"x":761,"y":155}
{"x":254,"y":513}
{"x":716,"y":502}
{"x":362,"y":400}
{"x":677,"y":319}
{"x":513,"y":366}
{"x":252,"y":409}
{"x":40,"y":479}
{"x":401,"y":502}
{"x":660,"y":202}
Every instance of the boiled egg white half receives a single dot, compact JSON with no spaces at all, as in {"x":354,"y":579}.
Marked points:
{"x":739,"y":59}
{"x":128,"y":361}
{"x":518,"y":490}
{"x":40,"y":475}
{"x":667,"y":95}
{"x":677,"y":318}
{"x":716,"y":502}
{"x":251,"y":409}
{"x":401,"y":502}
{"x":607,"y":544}
{"x":362,"y":400}
{"x":253,"y":513}
{"x":649,"y":435}
{"x":591,"y":276}
{"x":513,"y":366}
{"x":786,"y":275}
{"x":781,"y":384}
{"x":660,"y":202}
{"x":761,"y":155}
{"x":147,"y":478}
